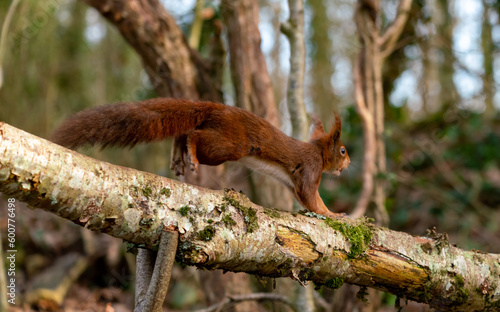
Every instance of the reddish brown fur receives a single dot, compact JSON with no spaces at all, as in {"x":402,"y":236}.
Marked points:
{"x":212,"y":133}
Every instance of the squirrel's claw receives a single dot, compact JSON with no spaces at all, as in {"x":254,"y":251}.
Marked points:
{"x":194,"y":168}
{"x":177,"y":166}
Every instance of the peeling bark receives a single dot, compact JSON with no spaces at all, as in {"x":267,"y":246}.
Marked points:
{"x":224,"y":230}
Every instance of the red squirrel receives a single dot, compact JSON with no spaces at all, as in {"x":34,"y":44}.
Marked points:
{"x":212,"y":133}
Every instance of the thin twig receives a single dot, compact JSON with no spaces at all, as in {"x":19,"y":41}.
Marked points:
{"x":458,"y":185}
{"x":3,"y":38}
{"x":196,"y":27}
{"x":387,"y":41}
{"x":322,"y":302}
{"x":240,"y":298}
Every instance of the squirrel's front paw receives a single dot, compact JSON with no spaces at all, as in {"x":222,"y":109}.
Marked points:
{"x":334,"y":215}
{"x":194,"y":168}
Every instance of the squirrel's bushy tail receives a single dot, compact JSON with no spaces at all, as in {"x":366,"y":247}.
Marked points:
{"x":127,"y":124}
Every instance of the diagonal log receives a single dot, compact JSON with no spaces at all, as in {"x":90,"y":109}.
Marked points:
{"x":224,"y":230}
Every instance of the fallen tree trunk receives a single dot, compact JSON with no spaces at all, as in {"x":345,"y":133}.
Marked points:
{"x":224,"y":230}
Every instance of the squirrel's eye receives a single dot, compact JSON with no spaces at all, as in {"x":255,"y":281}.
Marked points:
{"x":342,"y":151}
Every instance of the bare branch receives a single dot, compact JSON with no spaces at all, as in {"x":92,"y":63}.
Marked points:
{"x":388,"y":40}
{"x":160,"y":277}
{"x":369,"y":142}
{"x":145,"y":263}
{"x":3,"y":35}
{"x":196,"y":26}
{"x":240,"y":298}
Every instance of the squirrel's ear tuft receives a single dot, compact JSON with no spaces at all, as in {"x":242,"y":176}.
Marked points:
{"x":317,"y":129}
{"x":336,"y":130}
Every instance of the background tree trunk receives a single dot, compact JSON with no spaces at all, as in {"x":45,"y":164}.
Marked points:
{"x":253,"y":92}
{"x":293,"y":29}
{"x":376,"y":47}
{"x":322,"y":51}
{"x":253,"y":88}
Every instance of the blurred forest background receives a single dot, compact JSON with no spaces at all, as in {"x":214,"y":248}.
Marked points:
{"x":442,"y":123}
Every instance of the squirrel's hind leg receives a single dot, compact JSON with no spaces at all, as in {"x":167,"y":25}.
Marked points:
{"x":178,"y":157}
{"x":191,"y":151}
